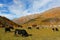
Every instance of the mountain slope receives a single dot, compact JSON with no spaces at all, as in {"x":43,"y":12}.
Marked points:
{"x":24,"y":19}
{"x":52,"y":14}
{"x":55,"y":12}
{"x":5,"y":21}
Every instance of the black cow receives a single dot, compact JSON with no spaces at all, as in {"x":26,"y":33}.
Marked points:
{"x":37,"y":27}
{"x":55,"y":29}
{"x":29,"y":28}
{"x":21,"y":32}
{"x":8,"y":29}
{"x":20,"y":26}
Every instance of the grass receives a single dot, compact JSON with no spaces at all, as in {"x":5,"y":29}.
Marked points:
{"x":37,"y":34}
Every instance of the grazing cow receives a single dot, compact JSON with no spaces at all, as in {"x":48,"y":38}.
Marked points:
{"x":29,"y":27}
{"x":21,"y":32}
{"x":55,"y":29}
{"x":37,"y":27}
{"x":34,"y":25}
{"x":20,"y":26}
{"x":7,"y":29}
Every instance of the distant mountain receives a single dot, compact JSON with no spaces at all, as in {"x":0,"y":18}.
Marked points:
{"x":5,"y":21}
{"x":25,"y":19}
{"x":48,"y":17}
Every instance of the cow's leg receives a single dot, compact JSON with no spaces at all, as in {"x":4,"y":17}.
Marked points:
{"x":9,"y":30}
{"x":15,"y":32}
{"x":6,"y":29}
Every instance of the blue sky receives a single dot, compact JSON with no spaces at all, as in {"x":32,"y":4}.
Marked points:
{"x":18,"y":8}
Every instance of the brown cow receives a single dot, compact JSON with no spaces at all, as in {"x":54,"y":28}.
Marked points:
{"x":34,"y":25}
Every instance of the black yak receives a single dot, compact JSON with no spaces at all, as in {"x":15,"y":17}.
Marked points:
{"x":37,"y":27}
{"x":8,"y":29}
{"x":29,"y":28}
{"x":55,"y":29}
{"x":20,"y":26}
{"x":21,"y":32}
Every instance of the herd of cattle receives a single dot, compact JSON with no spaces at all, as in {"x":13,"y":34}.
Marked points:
{"x":23,"y":32}
{"x":17,"y":32}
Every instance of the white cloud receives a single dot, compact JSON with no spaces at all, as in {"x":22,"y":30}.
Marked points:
{"x":55,"y":3}
{"x":38,"y":4}
{"x":19,"y":8}
{"x":1,"y":5}
{"x":10,"y":16}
